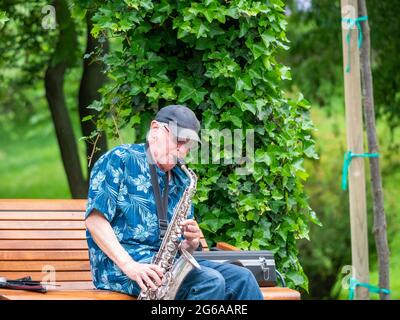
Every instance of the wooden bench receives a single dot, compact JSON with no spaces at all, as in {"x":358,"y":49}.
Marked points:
{"x":41,"y":236}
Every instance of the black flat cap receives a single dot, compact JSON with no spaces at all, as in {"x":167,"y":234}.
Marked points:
{"x":181,"y":120}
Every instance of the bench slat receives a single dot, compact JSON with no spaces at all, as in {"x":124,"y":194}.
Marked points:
{"x":270,"y":293}
{"x":39,"y":276}
{"x":203,"y":243}
{"x":42,"y":215}
{"x":278,"y":293}
{"x":43,"y":244}
{"x":42,"y":204}
{"x":44,"y":255}
{"x":72,"y":285}
{"x":42,"y":265}
{"x":43,"y":234}
{"x":39,"y":225}
{"x":64,"y":295}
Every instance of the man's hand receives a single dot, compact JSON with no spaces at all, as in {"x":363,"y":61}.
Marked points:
{"x":191,"y":232}
{"x":146,"y":275}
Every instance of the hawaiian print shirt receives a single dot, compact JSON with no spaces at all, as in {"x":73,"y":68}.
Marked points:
{"x":120,"y":188}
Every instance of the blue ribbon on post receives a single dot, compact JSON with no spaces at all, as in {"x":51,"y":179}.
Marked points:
{"x":355,"y":283}
{"x":348,"y":156}
{"x":352,"y":22}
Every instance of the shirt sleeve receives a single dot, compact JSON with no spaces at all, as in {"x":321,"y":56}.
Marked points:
{"x":105,"y":180}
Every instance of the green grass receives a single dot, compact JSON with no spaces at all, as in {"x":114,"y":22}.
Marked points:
{"x":31,"y":165}
{"x":32,"y":168}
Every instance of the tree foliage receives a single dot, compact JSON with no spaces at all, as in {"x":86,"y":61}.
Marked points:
{"x":41,"y":44}
{"x":218,"y":58}
{"x":316,"y":53}
{"x":22,"y":39}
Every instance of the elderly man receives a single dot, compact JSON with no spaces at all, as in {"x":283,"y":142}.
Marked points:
{"x":123,"y":230}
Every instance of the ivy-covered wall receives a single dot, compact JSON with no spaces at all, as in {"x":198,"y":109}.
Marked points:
{"x":219,"y":58}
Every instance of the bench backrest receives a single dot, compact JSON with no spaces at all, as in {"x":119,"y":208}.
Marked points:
{"x":41,"y":236}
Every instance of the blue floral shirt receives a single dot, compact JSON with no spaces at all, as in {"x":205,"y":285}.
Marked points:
{"x":120,"y":188}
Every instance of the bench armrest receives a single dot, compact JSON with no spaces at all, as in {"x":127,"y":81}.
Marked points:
{"x":226,"y":246}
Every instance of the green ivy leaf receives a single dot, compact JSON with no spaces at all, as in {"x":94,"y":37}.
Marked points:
{"x":310,"y":151}
{"x":229,"y":117}
{"x":189,"y":92}
{"x":96,"y":105}
{"x":87,"y":118}
{"x":258,"y":50}
{"x":268,"y":38}
{"x":296,"y":278}
{"x":262,"y":156}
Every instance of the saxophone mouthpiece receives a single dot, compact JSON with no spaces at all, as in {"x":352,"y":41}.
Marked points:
{"x":180,"y":162}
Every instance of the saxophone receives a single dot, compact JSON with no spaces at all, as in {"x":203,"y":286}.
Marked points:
{"x":174,"y":271}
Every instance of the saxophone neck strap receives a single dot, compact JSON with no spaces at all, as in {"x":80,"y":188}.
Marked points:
{"x":162,"y":206}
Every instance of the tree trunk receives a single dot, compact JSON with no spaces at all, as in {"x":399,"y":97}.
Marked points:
{"x":91,"y":81}
{"x":54,"y":86}
{"x":379,"y":229}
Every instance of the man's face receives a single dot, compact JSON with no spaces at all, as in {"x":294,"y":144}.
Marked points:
{"x":167,"y":147}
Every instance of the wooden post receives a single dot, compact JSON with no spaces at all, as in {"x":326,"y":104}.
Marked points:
{"x":354,"y":125}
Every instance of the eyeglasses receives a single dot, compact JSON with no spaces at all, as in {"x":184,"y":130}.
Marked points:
{"x":188,"y":143}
